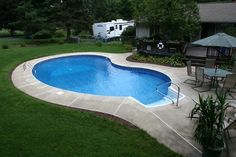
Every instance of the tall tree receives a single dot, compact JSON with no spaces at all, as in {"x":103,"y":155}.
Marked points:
{"x":98,"y":9}
{"x":35,"y":16}
{"x":105,"y":10}
{"x":174,"y":19}
{"x":72,"y":13}
{"x":125,"y":9}
{"x":8,"y":14}
{"x":38,"y":15}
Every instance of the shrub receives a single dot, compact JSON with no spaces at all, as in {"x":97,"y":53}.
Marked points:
{"x":60,"y":42}
{"x":129,"y":31}
{"x":19,"y":33}
{"x":5,"y":46}
{"x":60,"y":33}
{"x":226,"y":66}
{"x":22,"y":44}
{"x":128,"y":36}
{"x":175,"y":60}
{"x":43,"y":34}
{"x":84,"y":33}
{"x":4,"y":33}
{"x":99,"y":44}
{"x":209,"y":114}
{"x":128,"y":47}
{"x":79,"y":32}
{"x":75,"y":32}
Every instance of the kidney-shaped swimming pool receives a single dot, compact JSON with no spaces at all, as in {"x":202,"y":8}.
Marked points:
{"x":97,"y":75}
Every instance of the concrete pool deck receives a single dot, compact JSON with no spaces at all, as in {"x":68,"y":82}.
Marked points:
{"x":168,"y":124}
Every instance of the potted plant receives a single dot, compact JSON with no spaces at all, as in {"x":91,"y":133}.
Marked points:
{"x":209,"y":114}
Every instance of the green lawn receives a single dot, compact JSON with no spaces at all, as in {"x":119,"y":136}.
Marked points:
{"x":31,"y":127}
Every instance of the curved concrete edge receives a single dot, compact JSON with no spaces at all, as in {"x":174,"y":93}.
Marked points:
{"x":122,"y":107}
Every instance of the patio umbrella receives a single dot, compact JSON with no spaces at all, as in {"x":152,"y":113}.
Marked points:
{"x":217,"y":40}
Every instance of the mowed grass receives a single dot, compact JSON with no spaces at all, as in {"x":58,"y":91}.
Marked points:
{"x":34,"y":128}
{"x":11,"y":41}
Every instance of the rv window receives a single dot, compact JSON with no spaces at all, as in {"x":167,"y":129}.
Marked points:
{"x":116,"y":27}
{"x":111,"y":28}
{"x":120,"y":27}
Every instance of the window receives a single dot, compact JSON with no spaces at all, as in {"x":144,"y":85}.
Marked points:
{"x":116,"y":27}
{"x":112,"y":29}
{"x":120,"y":27}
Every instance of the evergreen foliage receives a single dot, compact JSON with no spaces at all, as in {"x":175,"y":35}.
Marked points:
{"x":172,"y":19}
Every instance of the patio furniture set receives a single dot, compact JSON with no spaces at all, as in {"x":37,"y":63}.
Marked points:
{"x":210,"y":73}
{"x":212,"y":76}
{"x":218,"y":79}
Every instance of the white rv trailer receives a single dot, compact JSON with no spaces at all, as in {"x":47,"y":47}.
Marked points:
{"x":106,"y":30}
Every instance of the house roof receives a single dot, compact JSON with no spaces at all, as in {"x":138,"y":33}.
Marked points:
{"x":217,"y":12}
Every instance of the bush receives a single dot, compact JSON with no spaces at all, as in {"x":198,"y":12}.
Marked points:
{"x":78,"y":32}
{"x":5,"y":46}
{"x":209,"y":116}
{"x":175,"y":60}
{"x":60,"y":42}
{"x":227,"y":66}
{"x":129,"y":31}
{"x":99,"y":44}
{"x":75,"y":32}
{"x":60,"y":33}
{"x":4,"y":33}
{"x":22,"y":44}
{"x":85,"y":36}
{"x":128,"y":47}
{"x":84,"y":33}
{"x":43,"y":34}
{"x":128,"y":36}
{"x":19,"y":33}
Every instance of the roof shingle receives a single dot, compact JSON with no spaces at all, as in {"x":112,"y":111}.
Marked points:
{"x":217,"y":12}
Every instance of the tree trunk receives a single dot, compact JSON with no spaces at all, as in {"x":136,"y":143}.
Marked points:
{"x":68,"y":33}
{"x":12,"y":32}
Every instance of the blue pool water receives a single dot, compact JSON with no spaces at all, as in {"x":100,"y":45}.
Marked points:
{"x":98,"y":75}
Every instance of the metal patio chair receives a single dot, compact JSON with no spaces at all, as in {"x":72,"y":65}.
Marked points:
{"x":228,"y":84}
{"x":229,"y":124}
{"x":190,"y":73}
{"x":234,"y":68}
{"x":201,"y":80}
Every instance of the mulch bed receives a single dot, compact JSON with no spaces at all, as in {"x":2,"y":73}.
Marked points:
{"x":130,"y":59}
